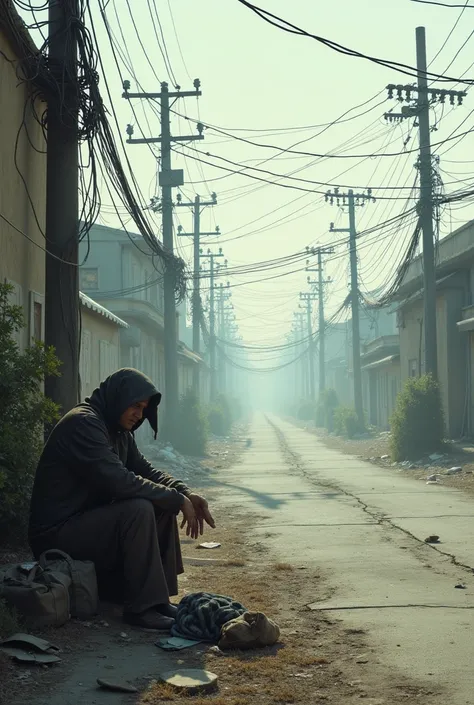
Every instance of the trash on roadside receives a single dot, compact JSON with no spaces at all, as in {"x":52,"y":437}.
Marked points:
{"x":26,"y":648}
{"x":175,"y":643}
{"x":384,"y":457}
{"x":432,"y":539}
{"x":460,"y":586}
{"x":433,"y":482}
{"x":115,"y":686}
{"x":453,"y":471}
{"x":192,"y":680}
{"x":209,"y":545}
{"x":432,"y":478}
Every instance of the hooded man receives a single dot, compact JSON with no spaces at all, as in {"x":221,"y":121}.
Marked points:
{"x":97,"y":498}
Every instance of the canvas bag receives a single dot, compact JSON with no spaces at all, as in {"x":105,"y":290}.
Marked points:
{"x":40,"y":595}
{"x":250,"y":630}
{"x":83,"y":590}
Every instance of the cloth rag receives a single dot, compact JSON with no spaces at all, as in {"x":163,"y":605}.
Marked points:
{"x":201,"y":616}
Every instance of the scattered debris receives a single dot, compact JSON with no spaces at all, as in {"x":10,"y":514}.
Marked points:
{"x":384,"y":457}
{"x":116,"y":687}
{"x":436,"y":456}
{"x":432,"y":539}
{"x":192,"y":680}
{"x":460,"y":586}
{"x":433,"y":482}
{"x":215,"y":651}
{"x":209,"y":545}
{"x":363,"y":659}
{"x":174,"y":643}
{"x":453,"y":471}
{"x":26,"y":648}
{"x":432,"y":478}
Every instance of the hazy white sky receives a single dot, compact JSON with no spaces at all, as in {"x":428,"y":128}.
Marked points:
{"x":258,"y":82}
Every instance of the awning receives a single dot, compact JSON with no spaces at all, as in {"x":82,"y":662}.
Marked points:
{"x":466,"y":325}
{"x":380,"y":363}
{"x":101,"y":310}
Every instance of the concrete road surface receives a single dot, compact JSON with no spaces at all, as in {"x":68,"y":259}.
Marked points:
{"x":365,"y":527}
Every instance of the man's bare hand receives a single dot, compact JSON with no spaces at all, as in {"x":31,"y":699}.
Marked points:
{"x":190,"y":520}
{"x":201,"y":508}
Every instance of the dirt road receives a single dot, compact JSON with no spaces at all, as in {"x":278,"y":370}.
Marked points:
{"x":365,"y":529}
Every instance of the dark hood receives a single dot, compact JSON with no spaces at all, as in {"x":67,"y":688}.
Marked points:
{"x":122,"y":389}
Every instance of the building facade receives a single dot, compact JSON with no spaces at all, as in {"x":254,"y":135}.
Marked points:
{"x":23,"y":179}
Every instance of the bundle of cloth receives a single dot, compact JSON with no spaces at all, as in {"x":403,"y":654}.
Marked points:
{"x":204,"y":616}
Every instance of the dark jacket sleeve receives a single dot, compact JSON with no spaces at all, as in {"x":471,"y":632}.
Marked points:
{"x":137,"y":463}
{"x":96,"y":462}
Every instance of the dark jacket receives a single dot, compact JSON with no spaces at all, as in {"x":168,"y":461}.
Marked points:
{"x":89,"y":461}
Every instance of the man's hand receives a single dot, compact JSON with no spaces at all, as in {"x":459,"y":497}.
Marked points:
{"x":202,"y":512}
{"x":189,"y":519}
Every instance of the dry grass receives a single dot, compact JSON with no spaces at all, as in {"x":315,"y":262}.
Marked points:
{"x":283,"y":567}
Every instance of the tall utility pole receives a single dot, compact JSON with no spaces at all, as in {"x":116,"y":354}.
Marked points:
{"x":168,"y":178}
{"x":352,"y":200}
{"x":197,"y":207}
{"x":223,"y":295}
{"x":308,"y":298}
{"x":299,"y":333}
{"x":320,"y":251}
{"x":62,"y":207}
{"x":420,"y":97}
{"x":211,"y":256}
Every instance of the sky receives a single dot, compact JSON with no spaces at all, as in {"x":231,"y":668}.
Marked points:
{"x":264,"y":85}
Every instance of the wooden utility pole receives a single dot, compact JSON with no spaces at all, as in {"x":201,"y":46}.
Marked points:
{"x":308,"y":298}
{"x":62,"y":206}
{"x":197,"y":207}
{"x":223,"y":295}
{"x":211,"y":256}
{"x":168,"y":179}
{"x":419,"y":99}
{"x":320,"y":251}
{"x":352,"y":200}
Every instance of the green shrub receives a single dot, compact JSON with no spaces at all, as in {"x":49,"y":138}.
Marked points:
{"x":192,"y":431}
{"x":346,"y":422}
{"x":417,"y":424}
{"x":24,"y":410}
{"x":220,"y":416}
{"x":327,"y":404}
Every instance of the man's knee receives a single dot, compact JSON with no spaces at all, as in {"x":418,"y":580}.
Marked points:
{"x":141,"y":509}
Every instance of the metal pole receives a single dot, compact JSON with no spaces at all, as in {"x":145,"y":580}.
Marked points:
{"x":212,"y":334}
{"x":426,"y":208}
{"x":62,"y":285}
{"x":312,"y":386}
{"x":170,"y":342}
{"x":358,"y":403}
{"x":321,"y":331}
{"x":196,"y":296}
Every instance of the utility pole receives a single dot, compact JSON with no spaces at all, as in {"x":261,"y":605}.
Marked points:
{"x":352,"y":200}
{"x":299,"y":332}
{"x":320,"y":251}
{"x":420,"y":97}
{"x":224,"y":295}
{"x":62,"y":207}
{"x":168,"y":179}
{"x":211,"y":256}
{"x":197,"y":208}
{"x":308,"y":298}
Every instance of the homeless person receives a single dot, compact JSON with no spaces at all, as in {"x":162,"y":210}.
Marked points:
{"x":97,"y":498}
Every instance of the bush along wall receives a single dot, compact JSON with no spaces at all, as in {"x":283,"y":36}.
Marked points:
{"x":417,"y":423}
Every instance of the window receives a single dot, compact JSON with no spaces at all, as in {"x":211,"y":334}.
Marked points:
{"x":413,"y":368}
{"x":36,"y":317}
{"x":89,"y":278}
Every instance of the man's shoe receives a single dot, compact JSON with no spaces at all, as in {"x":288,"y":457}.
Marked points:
{"x":151,"y":620}
{"x":167,"y":610}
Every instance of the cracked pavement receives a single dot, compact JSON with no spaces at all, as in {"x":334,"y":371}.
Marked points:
{"x":365,"y":528}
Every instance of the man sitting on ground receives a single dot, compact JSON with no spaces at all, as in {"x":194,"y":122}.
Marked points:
{"x":97,"y":498}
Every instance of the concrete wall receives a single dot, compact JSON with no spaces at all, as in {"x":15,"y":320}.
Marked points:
{"x":21,"y":261}
{"x":100,"y":340}
{"x":452,"y":350}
